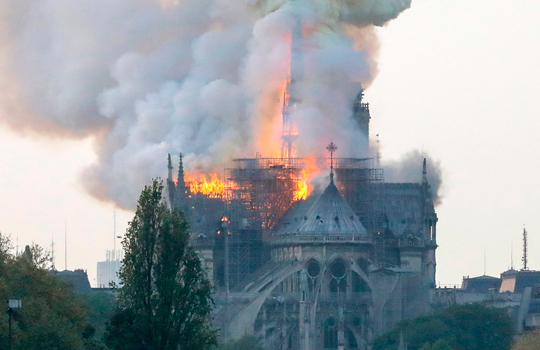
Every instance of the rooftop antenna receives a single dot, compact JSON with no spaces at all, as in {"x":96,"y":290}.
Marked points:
{"x":332,"y":148}
{"x":484,"y":259}
{"x":114,"y":236}
{"x":512,"y":255}
{"x":378,"y":152}
{"x":53,"y":267}
{"x":65,"y":245}
{"x":524,"y":259}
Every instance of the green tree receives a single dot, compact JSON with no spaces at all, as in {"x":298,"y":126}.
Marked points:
{"x":164,"y":300}
{"x":101,"y":305}
{"x":5,"y":247}
{"x":463,"y":327}
{"x":51,"y":317}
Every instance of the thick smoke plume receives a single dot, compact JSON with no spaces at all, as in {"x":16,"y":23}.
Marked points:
{"x":409,"y":169}
{"x":202,"y":77}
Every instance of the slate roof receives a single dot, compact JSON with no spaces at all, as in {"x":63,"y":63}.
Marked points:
{"x":481,"y":284}
{"x":77,"y":278}
{"x":402,"y":207}
{"x":526,"y":279}
{"x":324,"y":214}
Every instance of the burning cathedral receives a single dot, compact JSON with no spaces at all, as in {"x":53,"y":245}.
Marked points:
{"x":330,"y":269}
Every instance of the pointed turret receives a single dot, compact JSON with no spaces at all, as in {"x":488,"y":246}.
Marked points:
{"x":171,"y":186}
{"x":428,"y":199}
{"x":424,"y":172}
{"x":181,"y":181}
{"x":362,"y":117}
{"x":181,"y":197}
{"x":169,"y":167}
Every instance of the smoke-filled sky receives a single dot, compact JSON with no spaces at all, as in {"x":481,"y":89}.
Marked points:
{"x":93,"y":95}
{"x":204,"y":78}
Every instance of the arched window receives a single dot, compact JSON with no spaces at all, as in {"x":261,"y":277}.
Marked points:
{"x":330,"y":333}
{"x":338,"y":271}
{"x":313,"y":269}
{"x":338,"y":285}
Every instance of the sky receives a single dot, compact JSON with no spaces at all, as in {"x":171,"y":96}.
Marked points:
{"x":456,"y":79}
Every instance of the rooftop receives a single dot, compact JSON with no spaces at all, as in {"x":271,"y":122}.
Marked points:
{"x":322,"y":214}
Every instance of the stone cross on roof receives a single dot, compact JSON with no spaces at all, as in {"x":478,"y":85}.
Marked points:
{"x":332,"y":148}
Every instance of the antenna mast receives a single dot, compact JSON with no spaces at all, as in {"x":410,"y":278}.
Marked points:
{"x":512,"y":255}
{"x":484,"y":260}
{"x":524,"y":249}
{"x":114,"y":237}
{"x":65,"y":246}
{"x":53,"y":267}
{"x":378,"y":152}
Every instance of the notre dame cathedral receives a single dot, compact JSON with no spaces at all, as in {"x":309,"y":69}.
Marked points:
{"x":328,"y":271}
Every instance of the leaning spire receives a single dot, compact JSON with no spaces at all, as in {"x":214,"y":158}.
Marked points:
{"x":290,"y":95}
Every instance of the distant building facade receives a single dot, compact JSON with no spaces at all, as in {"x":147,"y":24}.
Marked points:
{"x":107,"y":271}
{"x":517,"y":291}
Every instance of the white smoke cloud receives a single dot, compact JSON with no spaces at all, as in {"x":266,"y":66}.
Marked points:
{"x":409,"y":169}
{"x":202,"y":77}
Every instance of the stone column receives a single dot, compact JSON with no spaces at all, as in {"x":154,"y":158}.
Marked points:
{"x":341,"y":330}
{"x":304,"y":326}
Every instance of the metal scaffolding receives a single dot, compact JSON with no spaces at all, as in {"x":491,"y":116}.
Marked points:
{"x":259,"y":190}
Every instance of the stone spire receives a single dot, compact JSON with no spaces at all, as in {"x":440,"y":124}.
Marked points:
{"x":424,"y":172}
{"x":181,"y":181}
{"x":290,"y":95}
{"x":181,"y":198}
{"x":169,"y":167}
{"x":171,"y":187}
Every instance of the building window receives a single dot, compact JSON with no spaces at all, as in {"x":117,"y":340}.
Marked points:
{"x":330,"y":334}
{"x":313,"y":269}
{"x":338,"y":281}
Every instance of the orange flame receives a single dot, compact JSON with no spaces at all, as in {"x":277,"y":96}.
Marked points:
{"x":212,"y":187}
{"x":304,"y":187}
